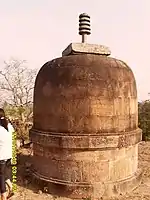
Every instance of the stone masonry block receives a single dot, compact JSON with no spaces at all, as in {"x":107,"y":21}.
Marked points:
{"x":78,"y":48}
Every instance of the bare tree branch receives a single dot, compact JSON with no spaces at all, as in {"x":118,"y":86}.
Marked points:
{"x":17,"y":83}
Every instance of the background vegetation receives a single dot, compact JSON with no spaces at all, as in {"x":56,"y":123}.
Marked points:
{"x":16,"y":90}
{"x":144,"y":118}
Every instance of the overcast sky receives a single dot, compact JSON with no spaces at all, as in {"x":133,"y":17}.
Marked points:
{"x":39,"y":30}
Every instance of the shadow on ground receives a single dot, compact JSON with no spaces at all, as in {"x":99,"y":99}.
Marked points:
{"x":24,"y":176}
{"x":26,"y":180}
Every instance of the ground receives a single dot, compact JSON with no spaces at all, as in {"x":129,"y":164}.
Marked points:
{"x":26,"y":190}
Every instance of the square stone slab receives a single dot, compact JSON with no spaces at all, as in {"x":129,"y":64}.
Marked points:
{"x":79,"y":48}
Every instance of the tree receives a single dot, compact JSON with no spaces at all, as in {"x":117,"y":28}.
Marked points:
{"x":144,"y":118}
{"x":16,"y":86}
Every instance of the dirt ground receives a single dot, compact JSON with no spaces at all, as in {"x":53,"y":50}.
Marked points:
{"x":26,"y":190}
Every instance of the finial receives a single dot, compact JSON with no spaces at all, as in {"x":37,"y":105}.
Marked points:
{"x":84,"y":26}
{"x":84,"y":47}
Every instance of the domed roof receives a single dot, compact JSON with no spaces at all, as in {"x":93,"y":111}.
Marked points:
{"x":92,"y":71}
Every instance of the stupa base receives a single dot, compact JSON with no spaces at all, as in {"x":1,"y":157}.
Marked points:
{"x":93,"y":191}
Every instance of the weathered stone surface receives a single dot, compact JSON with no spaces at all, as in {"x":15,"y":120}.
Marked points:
{"x":87,"y":166}
{"x":81,"y":155}
{"x":92,"y":190}
{"x":80,"y":48}
{"x":98,"y":141}
{"x":85,"y":130}
{"x":123,"y":186}
{"x":72,"y":92}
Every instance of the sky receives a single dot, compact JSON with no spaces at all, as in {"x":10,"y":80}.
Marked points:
{"x":39,"y":30}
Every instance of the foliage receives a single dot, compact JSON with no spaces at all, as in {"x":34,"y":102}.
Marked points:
{"x":144,"y":118}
